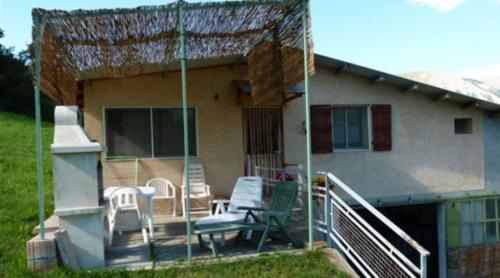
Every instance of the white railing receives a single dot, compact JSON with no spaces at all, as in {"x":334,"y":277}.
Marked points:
{"x":371,"y":253}
{"x":271,"y":161}
{"x":270,"y":176}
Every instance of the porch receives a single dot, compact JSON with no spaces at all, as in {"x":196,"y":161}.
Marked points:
{"x":169,"y":241}
{"x":168,"y":246}
{"x":82,"y":52}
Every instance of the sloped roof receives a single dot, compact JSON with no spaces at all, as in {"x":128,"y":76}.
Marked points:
{"x":408,"y":85}
{"x":116,"y":43}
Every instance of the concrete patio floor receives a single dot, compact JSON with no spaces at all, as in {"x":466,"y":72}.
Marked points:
{"x":169,"y":245}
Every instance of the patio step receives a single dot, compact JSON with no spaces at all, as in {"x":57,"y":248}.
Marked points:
{"x":131,"y":255}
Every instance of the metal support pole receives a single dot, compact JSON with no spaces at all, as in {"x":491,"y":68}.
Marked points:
{"x":423,"y":265}
{"x":305,"y":24}
{"x":37,"y":22}
{"x":441,"y":227}
{"x":180,"y":3}
{"x":328,"y":212}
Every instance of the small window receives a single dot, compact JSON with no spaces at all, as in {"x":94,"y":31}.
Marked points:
{"x":350,"y":127}
{"x":463,"y":126}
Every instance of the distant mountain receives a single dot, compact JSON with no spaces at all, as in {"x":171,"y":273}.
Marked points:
{"x":487,"y":90}
{"x":494,"y":81}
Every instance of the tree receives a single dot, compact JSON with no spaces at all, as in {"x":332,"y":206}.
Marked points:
{"x":16,"y":85}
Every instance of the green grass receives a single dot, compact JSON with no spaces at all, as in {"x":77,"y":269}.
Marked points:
{"x":19,"y":214}
{"x":311,"y":264}
{"x":18,"y":188}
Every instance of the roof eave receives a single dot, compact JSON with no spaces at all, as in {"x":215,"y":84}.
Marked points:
{"x":405,"y":84}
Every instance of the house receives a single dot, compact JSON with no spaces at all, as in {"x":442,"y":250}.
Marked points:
{"x":422,"y":154}
{"x":428,"y":158}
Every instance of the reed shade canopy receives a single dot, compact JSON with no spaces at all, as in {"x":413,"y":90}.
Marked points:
{"x":117,"y":43}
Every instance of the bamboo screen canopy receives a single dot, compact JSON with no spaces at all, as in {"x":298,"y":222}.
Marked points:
{"x":117,"y":43}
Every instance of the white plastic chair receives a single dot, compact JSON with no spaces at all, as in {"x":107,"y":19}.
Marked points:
{"x":164,"y":190}
{"x":198,"y":189}
{"x":124,"y":199}
{"x":246,"y":193}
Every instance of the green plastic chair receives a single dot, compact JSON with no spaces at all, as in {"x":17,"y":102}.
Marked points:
{"x":271,"y":220}
{"x":274,"y":219}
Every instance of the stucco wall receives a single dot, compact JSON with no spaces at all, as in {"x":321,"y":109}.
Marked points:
{"x":219,"y":122}
{"x":427,"y":158}
{"x":492,"y":152}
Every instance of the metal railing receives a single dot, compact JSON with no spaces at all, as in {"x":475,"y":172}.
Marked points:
{"x":270,"y":176}
{"x":370,"y":252}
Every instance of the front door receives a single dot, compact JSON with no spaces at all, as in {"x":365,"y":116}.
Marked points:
{"x":262,"y":138}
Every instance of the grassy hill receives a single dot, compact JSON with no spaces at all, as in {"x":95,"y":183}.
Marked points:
{"x":18,"y":187}
{"x":19,"y":214}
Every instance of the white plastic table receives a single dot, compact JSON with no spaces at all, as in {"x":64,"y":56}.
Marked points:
{"x":147,"y":194}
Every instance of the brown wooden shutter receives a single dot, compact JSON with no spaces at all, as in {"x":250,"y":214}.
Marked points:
{"x":381,"y":127}
{"x":321,"y":129}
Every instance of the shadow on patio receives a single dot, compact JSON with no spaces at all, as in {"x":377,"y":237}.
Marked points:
{"x":169,"y":245}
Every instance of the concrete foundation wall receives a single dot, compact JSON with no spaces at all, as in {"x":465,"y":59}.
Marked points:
{"x":475,"y":261}
{"x":427,"y":157}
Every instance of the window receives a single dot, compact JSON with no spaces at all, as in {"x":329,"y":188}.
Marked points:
{"x":350,"y":127}
{"x":473,"y":222}
{"x":128,"y":132}
{"x":463,"y":126}
{"x":149,"y":132}
{"x":169,"y":132}
{"x":346,"y":128}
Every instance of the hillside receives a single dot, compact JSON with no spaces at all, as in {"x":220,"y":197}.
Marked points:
{"x":18,"y":188}
{"x":494,"y":81}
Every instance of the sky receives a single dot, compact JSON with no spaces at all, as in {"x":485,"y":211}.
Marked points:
{"x":460,"y":37}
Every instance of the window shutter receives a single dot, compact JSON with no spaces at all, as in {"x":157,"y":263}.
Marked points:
{"x":321,"y":129}
{"x":381,"y":127}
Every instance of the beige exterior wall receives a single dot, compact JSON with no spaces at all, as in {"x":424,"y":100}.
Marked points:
{"x":426,"y":157}
{"x":219,"y":122}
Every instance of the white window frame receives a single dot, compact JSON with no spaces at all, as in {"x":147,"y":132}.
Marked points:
{"x":368,"y":123}
{"x":153,"y":157}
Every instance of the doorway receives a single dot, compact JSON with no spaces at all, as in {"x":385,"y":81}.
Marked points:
{"x":262,"y":138}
